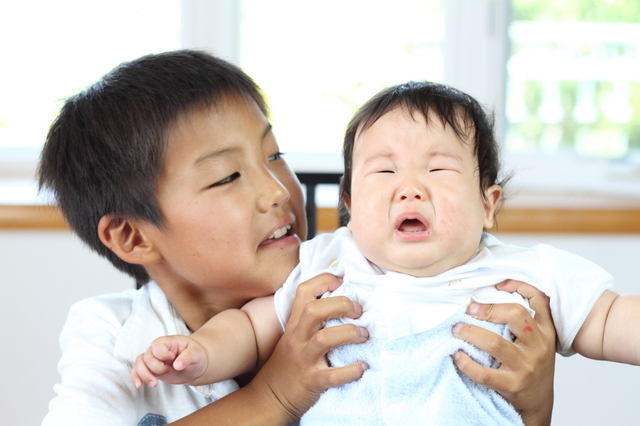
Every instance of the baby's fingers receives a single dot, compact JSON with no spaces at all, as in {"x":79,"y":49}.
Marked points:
{"x":164,"y":348}
{"x":186,"y":359}
{"x":141,"y":374}
{"x":156,"y":365}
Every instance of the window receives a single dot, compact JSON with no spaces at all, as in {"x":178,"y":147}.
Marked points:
{"x":54,"y":49}
{"x":574,"y":77}
{"x":318,"y":61}
{"x":571,"y":80}
{"x":573,"y":103}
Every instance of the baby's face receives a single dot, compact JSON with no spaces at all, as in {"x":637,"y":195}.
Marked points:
{"x":416,"y":206}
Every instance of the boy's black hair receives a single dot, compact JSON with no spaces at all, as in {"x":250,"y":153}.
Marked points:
{"x":453,"y":107}
{"x":105,"y":151}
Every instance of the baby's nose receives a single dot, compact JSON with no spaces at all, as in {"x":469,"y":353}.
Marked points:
{"x":410,"y":192}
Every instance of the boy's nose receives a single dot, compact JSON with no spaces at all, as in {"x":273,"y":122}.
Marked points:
{"x":272,"y":193}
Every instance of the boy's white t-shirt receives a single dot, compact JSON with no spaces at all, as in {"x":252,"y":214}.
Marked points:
{"x":396,"y":305}
{"x":100,"y":341}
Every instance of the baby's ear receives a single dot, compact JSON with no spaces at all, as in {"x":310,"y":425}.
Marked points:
{"x":127,"y":239}
{"x":493,"y":195}
{"x":346,"y":205}
{"x":346,"y":199}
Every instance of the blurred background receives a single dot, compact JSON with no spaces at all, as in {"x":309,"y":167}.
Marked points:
{"x":563,"y":78}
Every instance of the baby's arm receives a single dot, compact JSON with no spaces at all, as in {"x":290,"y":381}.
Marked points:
{"x":231,"y":343}
{"x":611,"y":331}
{"x":238,"y":340}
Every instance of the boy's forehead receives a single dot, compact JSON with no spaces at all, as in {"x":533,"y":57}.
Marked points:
{"x":220,"y":114}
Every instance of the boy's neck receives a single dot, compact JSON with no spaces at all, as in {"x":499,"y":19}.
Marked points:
{"x":196,"y":305}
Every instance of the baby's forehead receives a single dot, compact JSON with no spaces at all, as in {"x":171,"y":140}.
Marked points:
{"x":453,"y":115}
{"x":457,"y":121}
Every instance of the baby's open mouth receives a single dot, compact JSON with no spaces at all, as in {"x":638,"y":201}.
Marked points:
{"x":412,"y":225}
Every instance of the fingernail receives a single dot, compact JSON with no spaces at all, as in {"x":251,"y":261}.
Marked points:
{"x":365,"y":366}
{"x":474,"y":309}
{"x":357,"y":308}
{"x":364,"y":332}
{"x":456,"y":329}
{"x":456,"y":355}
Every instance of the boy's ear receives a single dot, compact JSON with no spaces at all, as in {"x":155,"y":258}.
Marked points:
{"x":493,"y":195}
{"x":127,"y":240}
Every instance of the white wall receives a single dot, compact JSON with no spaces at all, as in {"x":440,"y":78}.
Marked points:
{"x":43,"y":273}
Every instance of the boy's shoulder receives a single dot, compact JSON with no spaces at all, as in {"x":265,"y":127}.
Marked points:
{"x":129,"y":320}
{"x":111,"y":307}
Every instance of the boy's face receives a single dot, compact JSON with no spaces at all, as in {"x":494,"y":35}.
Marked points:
{"x":233,"y":209}
{"x":415,"y":205}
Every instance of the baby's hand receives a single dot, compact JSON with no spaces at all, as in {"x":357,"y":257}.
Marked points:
{"x":172,"y":359}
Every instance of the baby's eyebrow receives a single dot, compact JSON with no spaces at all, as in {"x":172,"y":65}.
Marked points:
{"x":385,"y":155}
{"x":389,"y":155}
{"x":445,"y":154}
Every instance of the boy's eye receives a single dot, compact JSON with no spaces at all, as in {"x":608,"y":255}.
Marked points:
{"x":226,"y":180}
{"x":385,"y":171}
{"x":276,"y":156}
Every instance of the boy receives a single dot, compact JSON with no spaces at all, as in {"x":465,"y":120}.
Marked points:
{"x":420,"y":187}
{"x":141,"y":164}
{"x":168,"y":167}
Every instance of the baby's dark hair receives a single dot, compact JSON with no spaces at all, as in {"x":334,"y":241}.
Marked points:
{"x":453,"y":107}
{"x":105,"y":151}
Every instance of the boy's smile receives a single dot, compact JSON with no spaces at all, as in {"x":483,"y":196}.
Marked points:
{"x":233,"y":210}
{"x":415,"y":204}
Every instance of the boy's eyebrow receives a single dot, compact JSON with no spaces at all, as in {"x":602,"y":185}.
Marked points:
{"x":267,"y":129}
{"x":227,"y":151}
{"x":215,"y":154}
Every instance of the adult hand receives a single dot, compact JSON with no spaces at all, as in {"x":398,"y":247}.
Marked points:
{"x":297,"y":372}
{"x":525,"y":377}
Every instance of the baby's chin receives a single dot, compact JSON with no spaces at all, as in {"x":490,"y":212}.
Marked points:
{"x":419,"y":268}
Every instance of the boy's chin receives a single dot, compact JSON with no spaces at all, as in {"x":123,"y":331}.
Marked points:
{"x":283,"y":268}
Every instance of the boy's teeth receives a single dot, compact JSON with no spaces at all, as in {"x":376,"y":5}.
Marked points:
{"x":280,"y":232}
